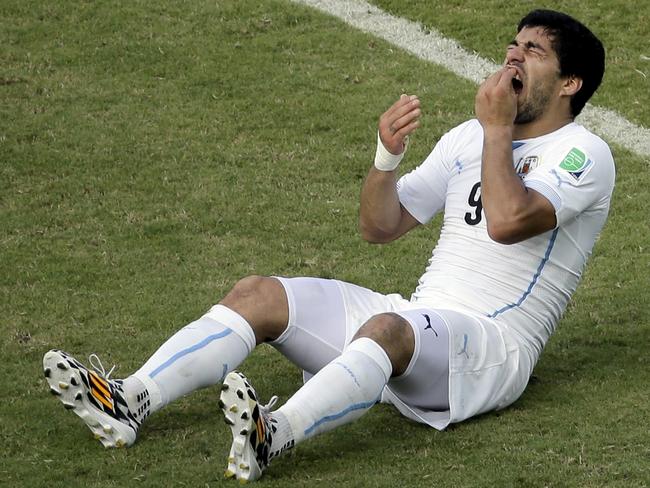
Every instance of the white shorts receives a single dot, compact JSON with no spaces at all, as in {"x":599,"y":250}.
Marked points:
{"x":474,"y":359}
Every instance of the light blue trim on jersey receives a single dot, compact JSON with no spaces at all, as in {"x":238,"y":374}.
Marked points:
{"x":532,"y":283}
{"x":351,"y":408}
{"x":189,"y":350}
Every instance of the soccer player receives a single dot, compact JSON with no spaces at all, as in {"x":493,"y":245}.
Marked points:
{"x":525,"y":192}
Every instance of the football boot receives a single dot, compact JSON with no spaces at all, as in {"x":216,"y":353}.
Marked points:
{"x":252,"y":428}
{"x":90,"y":393}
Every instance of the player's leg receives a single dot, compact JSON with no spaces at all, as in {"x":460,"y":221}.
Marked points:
{"x":203,"y":352}
{"x":382,"y":348}
{"x":198,"y":355}
{"x":339,"y":393}
{"x":324,"y":316}
{"x":425,"y":381}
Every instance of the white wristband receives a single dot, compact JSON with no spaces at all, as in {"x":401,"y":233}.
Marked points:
{"x":385,"y":160}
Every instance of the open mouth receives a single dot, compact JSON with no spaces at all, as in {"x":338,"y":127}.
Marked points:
{"x":517,"y":84}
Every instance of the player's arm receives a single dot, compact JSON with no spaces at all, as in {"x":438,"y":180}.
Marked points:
{"x":381,"y":217}
{"x":513,"y":212}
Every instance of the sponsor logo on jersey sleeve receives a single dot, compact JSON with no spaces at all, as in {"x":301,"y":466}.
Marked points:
{"x":576,"y":163}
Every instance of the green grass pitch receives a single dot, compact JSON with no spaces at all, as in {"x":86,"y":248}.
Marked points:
{"x":152,"y":153}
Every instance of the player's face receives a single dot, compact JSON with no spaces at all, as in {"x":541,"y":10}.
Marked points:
{"x":538,"y":72}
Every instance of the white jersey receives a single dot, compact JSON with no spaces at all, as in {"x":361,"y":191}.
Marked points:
{"x":527,"y":285}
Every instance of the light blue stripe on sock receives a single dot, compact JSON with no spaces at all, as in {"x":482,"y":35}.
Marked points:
{"x":329,"y":418}
{"x":189,"y":350}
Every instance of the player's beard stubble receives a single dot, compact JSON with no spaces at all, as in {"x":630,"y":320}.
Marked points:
{"x":534,"y":105}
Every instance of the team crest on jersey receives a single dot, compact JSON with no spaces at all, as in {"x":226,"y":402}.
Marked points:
{"x":576,"y":163}
{"x":526,"y":164}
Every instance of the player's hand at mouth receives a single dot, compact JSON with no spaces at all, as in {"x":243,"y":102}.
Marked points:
{"x":495,"y":104}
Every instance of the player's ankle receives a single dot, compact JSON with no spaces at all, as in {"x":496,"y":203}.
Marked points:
{"x":283,"y":438}
{"x":137,"y":398}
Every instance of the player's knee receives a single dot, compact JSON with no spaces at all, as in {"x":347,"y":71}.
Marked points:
{"x":394,"y":334}
{"x":262,"y":302}
{"x":248,"y":289}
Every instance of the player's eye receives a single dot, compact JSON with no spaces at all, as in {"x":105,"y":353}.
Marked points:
{"x":534,"y":48}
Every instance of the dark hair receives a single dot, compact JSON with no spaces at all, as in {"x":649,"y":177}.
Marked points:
{"x":580,"y":52}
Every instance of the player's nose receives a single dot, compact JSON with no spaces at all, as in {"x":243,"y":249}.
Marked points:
{"x":514,"y":54}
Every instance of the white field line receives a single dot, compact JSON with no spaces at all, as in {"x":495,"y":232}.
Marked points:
{"x":431,"y":46}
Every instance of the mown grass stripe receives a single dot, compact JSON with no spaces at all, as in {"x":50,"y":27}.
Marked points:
{"x":432,"y":46}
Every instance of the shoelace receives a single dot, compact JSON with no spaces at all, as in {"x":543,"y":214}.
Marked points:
{"x":97,"y":365}
{"x":267,"y":408}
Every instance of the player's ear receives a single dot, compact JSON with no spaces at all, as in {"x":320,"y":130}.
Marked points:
{"x":571,"y":85}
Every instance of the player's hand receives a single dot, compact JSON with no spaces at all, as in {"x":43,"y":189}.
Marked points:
{"x":400,"y":120}
{"x":496,"y":101}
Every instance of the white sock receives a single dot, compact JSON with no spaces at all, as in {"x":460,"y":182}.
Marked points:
{"x":198,"y":355}
{"x":339,"y":393}
{"x":283,"y":438}
{"x":137,"y":397}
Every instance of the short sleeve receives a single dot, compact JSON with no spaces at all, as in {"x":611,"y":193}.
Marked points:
{"x":574,"y":177}
{"x":423,"y":191}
